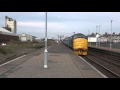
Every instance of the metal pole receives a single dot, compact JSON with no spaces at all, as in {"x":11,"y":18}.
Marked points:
{"x":89,"y":36}
{"x":58,"y":39}
{"x":99,"y":29}
{"x":74,"y":33}
{"x":90,"y":39}
{"x":111,"y":36}
{"x":45,"y":52}
{"x":96,"y":29}
{"x":63,"y":36}
{"x":99,"y":33}
{"x":96,"y":37}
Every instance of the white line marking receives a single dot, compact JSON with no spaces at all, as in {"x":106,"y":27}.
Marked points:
{"x":94,"y":68}
{"x":12,"y":60}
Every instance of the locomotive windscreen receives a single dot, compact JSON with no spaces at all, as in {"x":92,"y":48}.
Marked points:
{"x":79,"y":36}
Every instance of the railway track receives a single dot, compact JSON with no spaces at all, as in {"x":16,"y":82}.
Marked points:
{"x":105,"y":62}
{"x":112,"y":55}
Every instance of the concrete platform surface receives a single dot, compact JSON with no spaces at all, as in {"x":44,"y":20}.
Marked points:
{"x":62,"y":63}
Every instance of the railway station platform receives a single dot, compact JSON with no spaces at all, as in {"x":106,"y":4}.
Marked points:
{"x":107,"y":49}
{"x":62,"y":63}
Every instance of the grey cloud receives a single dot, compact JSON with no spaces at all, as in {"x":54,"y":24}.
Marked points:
{"x":74,"y":21}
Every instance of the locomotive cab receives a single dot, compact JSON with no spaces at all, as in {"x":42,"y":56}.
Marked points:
{"x":80,"y":44}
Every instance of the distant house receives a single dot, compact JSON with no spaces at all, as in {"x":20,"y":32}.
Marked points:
{"x":38,"y":39}
{"x":26,"y":37}
{"x":93,"y":39}
{"x":115,"y":38}
{"x":102,"y":39}
{"x":97,"y":35}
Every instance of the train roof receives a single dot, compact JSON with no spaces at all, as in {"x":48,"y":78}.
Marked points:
{"x":77,"y":34}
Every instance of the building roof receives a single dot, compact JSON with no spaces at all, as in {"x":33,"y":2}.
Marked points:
{"x":4,"y":30}
{"x":115,"y":35}
{"x":24,"y":34}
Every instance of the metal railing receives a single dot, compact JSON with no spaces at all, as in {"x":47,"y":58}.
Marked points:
{"x":106,"y":44}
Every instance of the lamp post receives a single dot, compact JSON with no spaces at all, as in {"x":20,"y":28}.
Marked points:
{"x":74,"y":33}
{"x":96,"y":29}
{"x":62,"y":36}
{"x":45,"y":52}
{"x":111,"y":36}
{"x":99,"y":29}
{"x":58,"y":39}
{"x":90,"y":39}
{"x":89,"y":36}
{"x":96,"y":37}
{"x":99,"y":33}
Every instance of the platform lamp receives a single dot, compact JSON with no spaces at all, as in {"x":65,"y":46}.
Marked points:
{"x":96,"y":37}
{"x":89,"y":36}
{"x":45,"y":52}
{"x":73,"y":33}
{"x":99,"y":33}
{"x":111,"y":36}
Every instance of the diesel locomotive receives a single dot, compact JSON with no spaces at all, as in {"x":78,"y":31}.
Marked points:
{"x":78,"y":43}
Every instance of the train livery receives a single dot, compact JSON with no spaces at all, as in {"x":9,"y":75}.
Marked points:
{"x":78,"y":43}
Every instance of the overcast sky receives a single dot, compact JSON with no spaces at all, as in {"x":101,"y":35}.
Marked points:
{"x":63,"y":23}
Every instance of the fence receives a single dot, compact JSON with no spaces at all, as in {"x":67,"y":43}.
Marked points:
{"x":105,"y":44}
